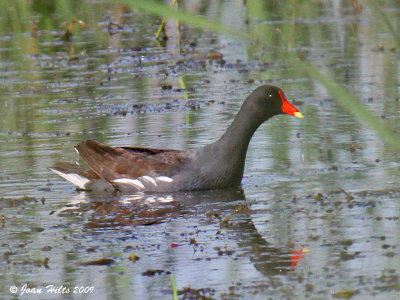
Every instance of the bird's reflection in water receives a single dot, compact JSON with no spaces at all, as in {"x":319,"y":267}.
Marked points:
{"x":133,"y":211}
{"x":148,"y":209}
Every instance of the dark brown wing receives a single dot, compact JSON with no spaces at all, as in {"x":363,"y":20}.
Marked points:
{"x":126,"y":162}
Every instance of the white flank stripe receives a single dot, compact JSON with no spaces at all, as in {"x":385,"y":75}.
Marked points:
{"x":133,"y":182}
{"x":149,"y":181}
{"x":164,"y":179}
{"x":76,"y":179}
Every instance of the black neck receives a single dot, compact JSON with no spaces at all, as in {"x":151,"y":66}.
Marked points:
{"x":237,"y":137}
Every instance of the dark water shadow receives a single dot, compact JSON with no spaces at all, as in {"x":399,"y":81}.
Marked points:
{"x":148,"y":209}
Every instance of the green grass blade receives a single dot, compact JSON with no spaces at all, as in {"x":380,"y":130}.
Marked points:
{"x":163,"y":22}
{"x":174,"y":290}
{"x":352,"y":104}
{"x":160,"y":28}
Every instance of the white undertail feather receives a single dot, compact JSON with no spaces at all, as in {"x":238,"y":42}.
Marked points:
{"x":76,"y":179}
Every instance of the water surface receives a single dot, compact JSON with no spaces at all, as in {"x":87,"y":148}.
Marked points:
{"x":318,"y":212}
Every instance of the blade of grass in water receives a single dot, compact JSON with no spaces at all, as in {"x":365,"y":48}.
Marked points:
{"x":174,"y":290}
{"x":352,"y":104}
{"x":163,"y":22}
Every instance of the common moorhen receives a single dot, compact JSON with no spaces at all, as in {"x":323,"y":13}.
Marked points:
{"x":214,"y":166}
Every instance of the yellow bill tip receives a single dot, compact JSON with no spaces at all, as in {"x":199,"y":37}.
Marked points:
{"x":298,"y":115}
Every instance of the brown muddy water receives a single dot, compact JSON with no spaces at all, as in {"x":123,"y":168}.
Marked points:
{"x":318,"y":213}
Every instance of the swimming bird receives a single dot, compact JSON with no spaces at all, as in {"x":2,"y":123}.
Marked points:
{"x":213,"y":166}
